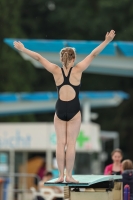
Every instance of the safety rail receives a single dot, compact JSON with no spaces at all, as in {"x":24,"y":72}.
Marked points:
{"x":18,"y":191}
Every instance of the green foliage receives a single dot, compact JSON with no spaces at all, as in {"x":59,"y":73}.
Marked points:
{"x":86,"y":19}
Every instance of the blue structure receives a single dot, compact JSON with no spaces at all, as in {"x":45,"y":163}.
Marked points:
{"x":82,"y":47}
{"x":115,"y":59}
{"x":47,"y":96}
{"x":38,"y":102}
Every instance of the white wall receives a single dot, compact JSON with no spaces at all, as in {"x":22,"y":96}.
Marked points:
{"x":41,"y":136}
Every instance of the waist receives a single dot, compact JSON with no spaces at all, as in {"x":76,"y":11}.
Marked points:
{"x":75,"y":87}
{"x":71,"y":106}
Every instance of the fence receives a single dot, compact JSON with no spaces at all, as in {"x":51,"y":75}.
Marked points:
{"x":17,"y":186}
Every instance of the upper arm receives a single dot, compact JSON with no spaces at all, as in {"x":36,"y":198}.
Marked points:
{"x":108,"y":169}
{"x":83,"y":65}
{"x":51,"y":67}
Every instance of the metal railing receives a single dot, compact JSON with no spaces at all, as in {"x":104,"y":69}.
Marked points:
{"x":16,"y":185}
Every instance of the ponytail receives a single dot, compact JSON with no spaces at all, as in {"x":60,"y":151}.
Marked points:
{"x":65,"y":59}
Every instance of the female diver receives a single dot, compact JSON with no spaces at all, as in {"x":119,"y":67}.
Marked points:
{"x":67,"y":118}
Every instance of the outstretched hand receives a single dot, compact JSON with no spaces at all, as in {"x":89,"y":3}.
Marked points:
{"x":18,"y":45}
{"x":110,"y":36}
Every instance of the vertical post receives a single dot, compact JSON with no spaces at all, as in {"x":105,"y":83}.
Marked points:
{"x":25,"y":158}
{"x":49,"y":160}
{"x":11,"y":172}
{"x":86,"y":111}
{"x":116,"y":141}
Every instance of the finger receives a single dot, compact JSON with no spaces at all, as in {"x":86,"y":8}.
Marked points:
{"x":112,"y":31}
{"x":20,"y":42}
{"x":15,"y":42}
{"x":107,"y":33}
{"x":113,"y":34}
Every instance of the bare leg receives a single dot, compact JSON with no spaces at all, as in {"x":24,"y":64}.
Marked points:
{"x":73,"y":127}
{"x":60,"y":128}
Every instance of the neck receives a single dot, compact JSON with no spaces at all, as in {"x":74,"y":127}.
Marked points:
{"x":117,"y":164}
{"x":69,"y":66}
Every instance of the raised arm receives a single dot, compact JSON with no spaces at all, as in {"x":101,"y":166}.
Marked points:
{"x":47,"y":65}
{"x":81,"y":66}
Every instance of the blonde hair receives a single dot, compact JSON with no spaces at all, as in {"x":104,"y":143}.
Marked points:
{"x":66,"y":55}
{"x":118,"y":151}
{"x":127,"y":164}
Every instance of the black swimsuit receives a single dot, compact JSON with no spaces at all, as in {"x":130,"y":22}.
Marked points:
{"x":116,"y":173}
{"x":66,"y":110}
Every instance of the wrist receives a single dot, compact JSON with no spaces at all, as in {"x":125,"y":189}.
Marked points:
{"x":23,"y":49}
{"x":107,"y":41}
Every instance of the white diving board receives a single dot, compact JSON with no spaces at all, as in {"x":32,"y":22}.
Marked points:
{"x":86,"y":180}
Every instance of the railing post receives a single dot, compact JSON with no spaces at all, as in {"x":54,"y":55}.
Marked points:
{"x":11,"y":171}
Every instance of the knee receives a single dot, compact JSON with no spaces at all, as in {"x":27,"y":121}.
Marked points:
{"x":70,"y":143}
{"x":61,"y":143}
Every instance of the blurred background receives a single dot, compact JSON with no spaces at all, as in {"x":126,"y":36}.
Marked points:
{"x":28,"y":92}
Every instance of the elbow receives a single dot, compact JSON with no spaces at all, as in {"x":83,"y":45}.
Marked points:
{"x":93,"y":54}
{"x":38,"y":57}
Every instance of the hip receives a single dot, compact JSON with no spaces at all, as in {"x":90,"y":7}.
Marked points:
{"x":68,"y":106}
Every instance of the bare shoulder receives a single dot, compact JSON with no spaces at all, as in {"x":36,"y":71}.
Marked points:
{"x":77,"y":74}
{"x":76,"y":69}
{"x":56,"y":70}
{"x":84,"y":64}
{"x":57,"y":75}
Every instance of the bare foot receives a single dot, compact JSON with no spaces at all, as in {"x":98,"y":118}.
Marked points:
{"x":71,"y":180}
{"x":60,"y":180}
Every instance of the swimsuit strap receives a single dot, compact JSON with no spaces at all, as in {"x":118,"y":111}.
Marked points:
{"x":68,"y":72}
{"x":63,"y":72}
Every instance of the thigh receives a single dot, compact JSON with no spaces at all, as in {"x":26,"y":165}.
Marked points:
{"x":60,"y":129}
{"x":73,"y":128}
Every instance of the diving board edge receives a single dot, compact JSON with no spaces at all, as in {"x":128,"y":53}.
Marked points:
{"x":91,"y":179}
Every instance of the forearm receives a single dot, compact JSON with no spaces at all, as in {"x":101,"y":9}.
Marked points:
{"x":98,"y":49}
{"x":32,"y":54}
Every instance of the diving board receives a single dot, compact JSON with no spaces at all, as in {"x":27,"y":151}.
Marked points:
{"x":86,"y":180}
{"x":115,"y":59}
{"x":92,"y":187}
{"x":44,"y":102}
